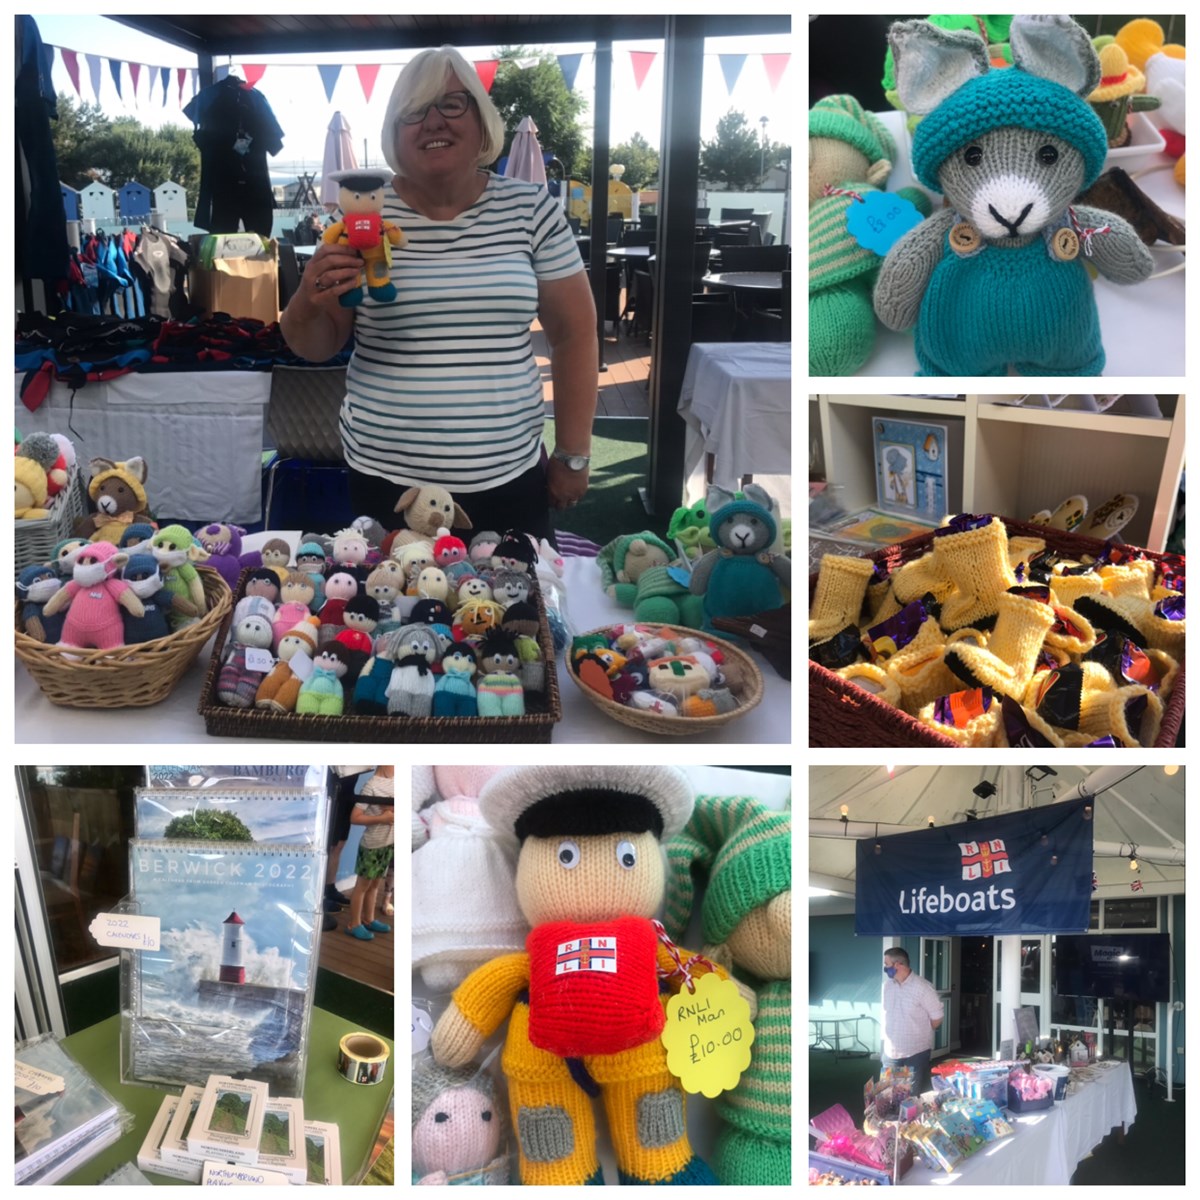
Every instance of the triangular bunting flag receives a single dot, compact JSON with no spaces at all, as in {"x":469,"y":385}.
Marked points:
{"x":181,"y":73}
{"x":71,"y":62}
{"x":252,"y":73}
{"x":164,"y":75}
{"x":568,"y":64}
{"x":642,"y":62}
{"x":776,"y":64}
{"x":487,"y":72}
{"x":93,"y":62}
{"x":526,"y":63}
{"x":731,"y":68}
{"x":135,"y":73}
{"x":114,"y":65}
{"x":367,"y":74}
{"x":329,"y":77}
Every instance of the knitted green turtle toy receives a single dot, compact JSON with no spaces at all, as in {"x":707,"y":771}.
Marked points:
{"x":997,"y":279}
{"x":850,"y":155}
{"x":744,"y":851}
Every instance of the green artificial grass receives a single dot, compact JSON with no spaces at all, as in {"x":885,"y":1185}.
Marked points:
{"x":620,"y":463}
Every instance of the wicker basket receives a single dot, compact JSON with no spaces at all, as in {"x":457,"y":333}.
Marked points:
{"x":745,"y":681}
{"x":841,"y":714}
{"x":536,"y":725}
{"x":130,"y":676}
{"x":35,"y":540}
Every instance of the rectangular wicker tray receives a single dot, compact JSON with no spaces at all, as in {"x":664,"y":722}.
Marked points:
{"x":840,"y":714}
{"x":537,"y":725}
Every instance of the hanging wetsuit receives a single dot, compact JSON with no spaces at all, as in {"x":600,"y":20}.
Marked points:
{"x":235,"y":131}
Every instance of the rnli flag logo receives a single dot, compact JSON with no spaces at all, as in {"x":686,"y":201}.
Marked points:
{"x":982,"y":860}
{"x":587,"y":954}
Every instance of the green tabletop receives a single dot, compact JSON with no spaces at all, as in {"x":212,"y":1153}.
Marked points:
{"x":357,"y":1110}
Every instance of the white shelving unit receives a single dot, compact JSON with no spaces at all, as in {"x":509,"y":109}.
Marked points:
{"x":1015,"y":461}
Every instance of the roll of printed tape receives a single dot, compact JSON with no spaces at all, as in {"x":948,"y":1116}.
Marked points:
{"x":362,"y":1058}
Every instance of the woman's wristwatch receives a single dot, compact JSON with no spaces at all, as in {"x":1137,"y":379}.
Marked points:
{"x":574,"y":462}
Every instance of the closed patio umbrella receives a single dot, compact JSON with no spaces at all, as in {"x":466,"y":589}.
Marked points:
{"x":339,"y":156}
{"x":525,"y":159}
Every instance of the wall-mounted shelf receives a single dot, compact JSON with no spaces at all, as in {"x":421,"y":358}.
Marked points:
{"x":1017,"y":460}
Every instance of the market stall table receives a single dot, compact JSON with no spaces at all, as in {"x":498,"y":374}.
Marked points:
{"x":358,"y":1111}
{"x":1048,"y":1145}
{"x":828,"y":1033}
{"x":200,"y":432}
{"x":736,"y":400}
{"x":176,"y":719}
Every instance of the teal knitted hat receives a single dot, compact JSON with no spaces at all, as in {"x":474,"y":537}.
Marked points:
{"x":843,"y":118}
{"x":744,"y":849}
{"x":734,"y":507}
{"x":1007,"y":96}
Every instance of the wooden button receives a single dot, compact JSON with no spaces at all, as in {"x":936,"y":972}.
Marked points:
{"x":1064,"y":245}
{"x":964,"y":238}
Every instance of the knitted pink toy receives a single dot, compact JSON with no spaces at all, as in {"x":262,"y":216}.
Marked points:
{"x":93,"y":596}
{"x":455,"y":1127}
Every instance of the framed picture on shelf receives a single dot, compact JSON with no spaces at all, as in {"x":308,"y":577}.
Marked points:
{"x":910,"y":467}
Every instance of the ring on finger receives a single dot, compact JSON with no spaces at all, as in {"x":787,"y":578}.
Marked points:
{"x":320,"y":286}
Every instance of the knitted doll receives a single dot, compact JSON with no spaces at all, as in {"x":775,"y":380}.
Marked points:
{"x":262,"y":581}
{"x":31,"y":492}
{"x":296,"y":595}
{"x":455,"y":1127}
{"x":745,"y":852}
{"x":340,"y":588}
{"x":361,"y":195}
{"x":35,"y":585}
{"x":482,"y":547}
{"x":998,"y":278}
{"x":94,"y":598}
{"x":465,"y":908}
{"x":850,"y":156}
{"x":158,"y":601}
{"x":742,"y":576}
{"x":370,"y":689}
{"x":321,"y":692}
{"x":280,"y":690}
{"x":454,"y":692}
{"x":499,"y":691}
{"x":177,"y":552}
{"x":410,"y":688}
{"x":237,"y":683}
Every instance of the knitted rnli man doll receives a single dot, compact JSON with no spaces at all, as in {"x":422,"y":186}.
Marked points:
{"x":586,"y":999}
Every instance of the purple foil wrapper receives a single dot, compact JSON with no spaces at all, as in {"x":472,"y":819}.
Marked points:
{"x":896,"y":632}
{"x":1134,"y":711}
{"x":962,"y":523}
{"x":880,"y":574}
{"x":1017,"y":728}
{"x":1033,"y":592}
{"x":1173,"y":608}
{"x":840,"y":650}
{"x":1108,"y":742}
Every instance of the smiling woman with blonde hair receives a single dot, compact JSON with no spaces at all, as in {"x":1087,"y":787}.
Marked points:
{"x":443,"y":387}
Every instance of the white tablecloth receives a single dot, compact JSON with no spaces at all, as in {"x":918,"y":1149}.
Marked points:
{"x":176,"y":718}
{"x":1047,"y":1145}
{"x":736,"y":400}
{"x":200,"y":432}
{"x":1142,"y":327}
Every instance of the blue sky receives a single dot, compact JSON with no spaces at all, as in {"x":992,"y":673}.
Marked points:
{"x":293,"y":86}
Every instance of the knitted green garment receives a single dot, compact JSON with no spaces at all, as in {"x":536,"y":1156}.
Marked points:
{"x":757,"y":1150}
{"x":833,"y":255}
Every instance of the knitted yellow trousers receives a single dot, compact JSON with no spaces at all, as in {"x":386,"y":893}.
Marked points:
{"x":554,"y":1122}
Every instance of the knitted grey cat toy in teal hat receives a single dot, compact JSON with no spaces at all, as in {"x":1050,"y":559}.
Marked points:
{"x":998,"y":278}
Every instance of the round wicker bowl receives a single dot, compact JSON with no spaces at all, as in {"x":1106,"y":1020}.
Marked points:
{"x":743,"y":678}
{"x":130,"y":676}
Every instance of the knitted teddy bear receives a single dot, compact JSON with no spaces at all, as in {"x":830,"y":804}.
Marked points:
{"x":998,"y":278}
{"x":94,"y":598}
{"x":465,"y":908}
{"x":224,"y":546}
{"x":585,"y":1001}
{"x":117,"y":489}
{"x":744,"y":852}
{"x":850,"y":156}
{"x":742,"y":575}
{"x":455,"y":1127}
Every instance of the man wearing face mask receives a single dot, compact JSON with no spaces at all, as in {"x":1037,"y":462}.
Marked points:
{"x":912,"y":1010}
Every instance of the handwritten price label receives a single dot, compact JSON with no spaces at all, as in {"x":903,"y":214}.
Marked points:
{"x":881,"y":220}
{"x":37,"y":1081}
{"x":125,"y":931}
{"x":708,"y":1036}
{"x":219,"y":1175}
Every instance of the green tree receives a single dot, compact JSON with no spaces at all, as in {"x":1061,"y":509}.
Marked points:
{"x":75,"y":132}
{"x":539,"y":92}
{"x":209,"y":826}
{"x":733,"y":157}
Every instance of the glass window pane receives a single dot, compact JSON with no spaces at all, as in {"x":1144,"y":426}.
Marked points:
{"x":82,"y":820}
{"x":1140,"y":913}
{"x":1031,"y":966}
{"x":1094,"y":921}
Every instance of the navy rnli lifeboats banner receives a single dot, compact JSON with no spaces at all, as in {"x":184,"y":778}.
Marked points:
{"x":1022,"y":872}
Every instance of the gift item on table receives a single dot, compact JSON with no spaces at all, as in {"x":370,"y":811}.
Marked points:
{"x":224,"y":545}
{"x":35,"y":585}
{"x":94,"y":599}
{"x":141,"y":572}
{"x":426,"y":511}
{"x":984,"y":1115}
{"x":457,"y":1131}
{"x":248,"y":658}
{"x":178,"y":552}
{"x":279,"y":691}
{"x":118,"y":491}
{"x":361,"y":196}
{"x":322,"y":693}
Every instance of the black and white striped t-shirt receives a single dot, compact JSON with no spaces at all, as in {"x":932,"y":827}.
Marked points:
{"x":443,"y":386}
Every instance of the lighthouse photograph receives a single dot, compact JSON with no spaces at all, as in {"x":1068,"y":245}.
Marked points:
{"x":227,"y":989}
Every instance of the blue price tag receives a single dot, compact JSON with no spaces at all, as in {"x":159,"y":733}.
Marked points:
{"x":881,"y":220}
{"x":679,"y":576}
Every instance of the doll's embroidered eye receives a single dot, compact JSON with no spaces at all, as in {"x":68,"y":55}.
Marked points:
{"x":440,"y":1117}
{"x":626,"y":855}
{"x":1048,"y":156}
{"x":568,"y":855}
{"x":973,"y":156}
{"x":487,"y":1116}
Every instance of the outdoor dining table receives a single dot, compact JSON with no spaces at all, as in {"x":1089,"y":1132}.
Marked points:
{"x":758,"y":282}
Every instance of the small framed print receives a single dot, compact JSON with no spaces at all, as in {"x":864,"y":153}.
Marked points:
{"x":322,"y":1153}
{"x":281,"y":1147}
{"x":229,"y":1120}
{"x":910,"y":467}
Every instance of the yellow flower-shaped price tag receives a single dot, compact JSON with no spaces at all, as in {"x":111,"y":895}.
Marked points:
{"x":708,"y":1036}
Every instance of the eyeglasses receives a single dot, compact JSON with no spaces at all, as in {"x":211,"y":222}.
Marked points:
{"x":451,"y":105}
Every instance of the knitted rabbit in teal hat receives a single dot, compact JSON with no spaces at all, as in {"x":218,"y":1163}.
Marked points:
{"x":741,"y":576}
{"x":998,"y":278}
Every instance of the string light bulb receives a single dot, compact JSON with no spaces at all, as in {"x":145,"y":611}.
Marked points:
{"x":1171,"y":769}
{"x":931,"y":820}
{"x":1133,"y":862}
